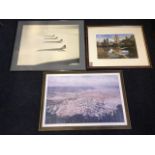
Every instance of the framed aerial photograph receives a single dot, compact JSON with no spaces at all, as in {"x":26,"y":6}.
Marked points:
{"x":84,"y":100}
{"x":49,"y":45}
{"x":117,"y":47}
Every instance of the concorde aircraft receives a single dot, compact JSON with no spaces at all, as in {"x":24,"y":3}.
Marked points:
{"x":54,"y":41}
{"x":54,"y":49}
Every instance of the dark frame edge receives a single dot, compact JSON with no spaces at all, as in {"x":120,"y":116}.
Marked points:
{"x":15,"y":53}
{"x":42,"y":102}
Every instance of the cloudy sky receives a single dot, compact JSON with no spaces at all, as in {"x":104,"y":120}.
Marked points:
{"x":101,"y":37}
{"x":83,"y":80}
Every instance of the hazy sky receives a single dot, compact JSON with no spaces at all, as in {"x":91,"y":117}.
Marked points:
{"x":84,"y":80}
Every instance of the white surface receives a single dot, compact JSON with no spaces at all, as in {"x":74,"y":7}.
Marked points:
{"x":47,"y":9}
{"x":32,"y":40}
{"x":77,"y":145}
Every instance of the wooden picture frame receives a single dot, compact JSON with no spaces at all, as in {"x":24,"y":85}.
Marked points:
{"x":116,"y":46}
{"x":74,"y":101}
{"x":49,"y":45}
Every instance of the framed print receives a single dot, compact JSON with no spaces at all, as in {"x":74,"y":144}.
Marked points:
{"x":117,"y":47}
{"x":83,"y":100}
{"x":49,"y":45}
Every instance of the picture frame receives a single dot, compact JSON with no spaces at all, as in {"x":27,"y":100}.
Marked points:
{"x":117,"y":46}
{"x":74,"y":101}
{"x":49,"y":46}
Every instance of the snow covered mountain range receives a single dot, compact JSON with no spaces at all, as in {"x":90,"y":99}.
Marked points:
{"x":83,"y":104}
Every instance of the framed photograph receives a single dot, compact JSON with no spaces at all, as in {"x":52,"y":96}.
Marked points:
{"x":84,"y":100}
{"x":49,"y":45}
{"x":117,"y":47}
